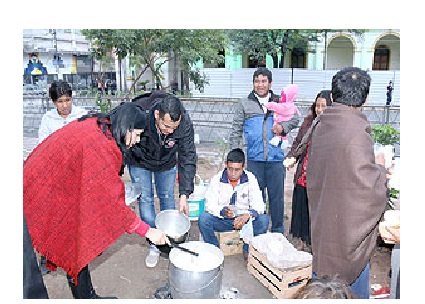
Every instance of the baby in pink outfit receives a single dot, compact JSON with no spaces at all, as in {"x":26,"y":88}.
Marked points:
{"x":284,"y":111}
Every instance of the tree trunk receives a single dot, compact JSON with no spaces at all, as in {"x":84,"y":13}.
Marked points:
{"x":133,"y":86}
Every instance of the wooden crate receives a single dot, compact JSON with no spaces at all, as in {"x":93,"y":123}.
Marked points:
{"x":282,"y":283}
{"x":230,"y":242}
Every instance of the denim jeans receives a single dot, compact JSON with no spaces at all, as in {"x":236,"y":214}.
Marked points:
{"x":164,"y":186}
{"x":271,"y":175}
{"x":360,"y":287}
{"x":208,"y":224}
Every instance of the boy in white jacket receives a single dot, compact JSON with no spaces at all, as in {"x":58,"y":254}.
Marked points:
{"x":231,"y":200}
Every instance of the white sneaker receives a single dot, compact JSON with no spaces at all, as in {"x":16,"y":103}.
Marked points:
{"x":152,"y":258}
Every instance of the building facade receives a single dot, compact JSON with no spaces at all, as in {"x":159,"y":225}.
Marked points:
{"x":50,"y":54}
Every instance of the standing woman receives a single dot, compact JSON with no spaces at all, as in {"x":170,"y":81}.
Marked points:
{"x":74,"y":198}
{"x":300,"y":221}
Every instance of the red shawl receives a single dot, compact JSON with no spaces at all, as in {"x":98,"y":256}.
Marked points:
{"x":73,"y":196}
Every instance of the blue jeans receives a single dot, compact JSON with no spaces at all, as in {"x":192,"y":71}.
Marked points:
{"x":360,"y":287}
{"x":208,"y":224}
{"x":271,"y":175}
{"x":164,"y":185}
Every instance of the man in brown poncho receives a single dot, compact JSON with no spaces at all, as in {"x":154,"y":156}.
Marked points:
{"x":345,"y":185}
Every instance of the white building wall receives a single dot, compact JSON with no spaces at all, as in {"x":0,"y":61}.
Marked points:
{"x":238,"y":83}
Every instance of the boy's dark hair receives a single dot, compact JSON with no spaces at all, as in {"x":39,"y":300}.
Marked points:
{"x":236,"y":156}
{"x":59,"y":88}
{"x":263,"y":71}
{"x":350,"y":86}
{"x":325,"y":287}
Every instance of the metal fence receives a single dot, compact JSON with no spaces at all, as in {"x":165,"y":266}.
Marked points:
{"x":211,"y":117}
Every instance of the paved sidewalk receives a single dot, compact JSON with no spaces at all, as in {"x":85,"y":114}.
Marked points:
{"x":29,"y":143}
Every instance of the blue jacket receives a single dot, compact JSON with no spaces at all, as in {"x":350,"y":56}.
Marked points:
{"x":250,"y":122}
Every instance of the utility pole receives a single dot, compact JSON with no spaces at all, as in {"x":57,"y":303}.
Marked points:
{"x":55,"y":45}
{"x":324,"y":53}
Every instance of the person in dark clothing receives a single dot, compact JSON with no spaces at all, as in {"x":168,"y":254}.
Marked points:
{"x":166,"y":145}
{"x":390,"y":89}
{"x":300,"y":220}
{"x":34,"y":287}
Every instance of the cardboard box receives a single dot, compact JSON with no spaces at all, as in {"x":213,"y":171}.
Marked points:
{"x":282,"y":283}
{"x":230,"y":242}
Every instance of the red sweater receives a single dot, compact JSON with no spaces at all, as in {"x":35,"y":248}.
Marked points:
{"x":74,"y":198}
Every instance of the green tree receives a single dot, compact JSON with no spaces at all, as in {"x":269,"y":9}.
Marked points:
{"x":385,"y":134}
{"x":101,"y":54}
{"x":276,"y":42}
{"x":152,"y":48}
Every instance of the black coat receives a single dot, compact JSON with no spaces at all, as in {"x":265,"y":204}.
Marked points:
{"x":157,"y":152}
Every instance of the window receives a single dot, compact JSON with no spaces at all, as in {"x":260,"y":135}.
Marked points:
{"x":381,"y":59}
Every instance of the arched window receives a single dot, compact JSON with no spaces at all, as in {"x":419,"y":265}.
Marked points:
{"x":381,"y":58}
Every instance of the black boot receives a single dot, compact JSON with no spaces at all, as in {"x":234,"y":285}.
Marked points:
{"x":84,"y":289}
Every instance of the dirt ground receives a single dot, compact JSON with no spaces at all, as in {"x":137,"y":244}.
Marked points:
{"x":121,"y":270}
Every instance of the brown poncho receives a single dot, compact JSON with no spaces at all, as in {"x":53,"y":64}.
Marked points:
{"x":346,"y":192}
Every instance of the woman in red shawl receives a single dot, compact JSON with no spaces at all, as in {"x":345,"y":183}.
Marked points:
{"x":74,"y":198}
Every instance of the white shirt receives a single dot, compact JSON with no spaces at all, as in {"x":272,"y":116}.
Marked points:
{"x":52,"y":121}
{"x":263,"y":101}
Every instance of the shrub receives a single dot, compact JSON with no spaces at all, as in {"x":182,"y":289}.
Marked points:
{"x":385,"y":134}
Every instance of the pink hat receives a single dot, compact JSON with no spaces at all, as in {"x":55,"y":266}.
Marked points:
{"x":289,"y":93}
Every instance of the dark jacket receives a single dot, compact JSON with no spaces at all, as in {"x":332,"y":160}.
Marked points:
{"x":300,"y":158}
{"x":255,"y":126}
{"x":157,"y":152}
{"x":346,"y":193}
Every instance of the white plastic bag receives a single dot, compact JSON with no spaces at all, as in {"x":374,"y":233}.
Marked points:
{"x":247,"y":231}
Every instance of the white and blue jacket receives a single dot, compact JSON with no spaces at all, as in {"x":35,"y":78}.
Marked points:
{"x":246,"y":196}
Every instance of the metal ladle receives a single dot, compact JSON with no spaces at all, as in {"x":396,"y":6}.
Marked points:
{"x":183,"y":249}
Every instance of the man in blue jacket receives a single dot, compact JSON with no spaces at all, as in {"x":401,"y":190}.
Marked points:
{"x":254,"y":123}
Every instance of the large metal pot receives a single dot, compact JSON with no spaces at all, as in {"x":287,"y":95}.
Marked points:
{"x":196,"y":277}
{"x":176,"y":225}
